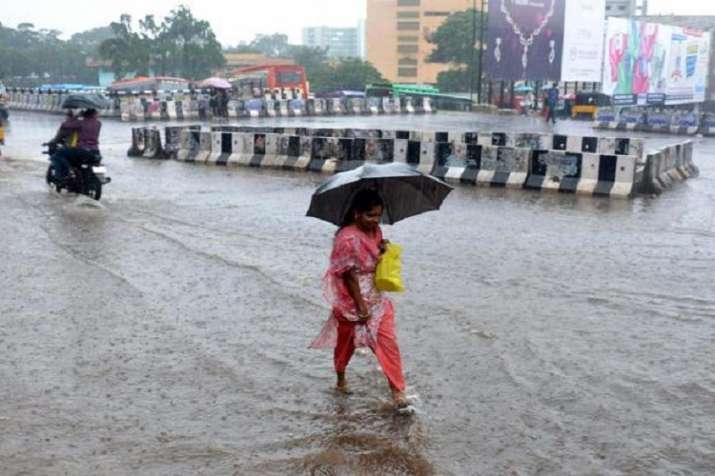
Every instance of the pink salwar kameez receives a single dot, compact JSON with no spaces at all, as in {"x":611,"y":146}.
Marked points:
{"x":355,"y":250}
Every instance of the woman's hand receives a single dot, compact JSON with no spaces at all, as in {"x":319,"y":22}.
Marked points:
{"x":353,"y":287}
{"x":363,"y":313}
{"x":383,"y":246}
{"x":364,"y":318}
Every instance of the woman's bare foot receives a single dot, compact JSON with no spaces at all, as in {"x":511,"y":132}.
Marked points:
{"x":343,"y":389}
{"x":400,"y":399}
{"x":342,"y":385}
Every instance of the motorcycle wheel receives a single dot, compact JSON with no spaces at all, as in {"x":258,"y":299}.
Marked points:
{"x":93,"y":188}
{"x":50,"y":178}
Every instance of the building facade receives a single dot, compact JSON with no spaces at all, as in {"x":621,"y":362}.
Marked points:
{"x":340,"y":42}
{"x":398,"y":32}
{"x":626,"y":8}
{"x":237,"y":61}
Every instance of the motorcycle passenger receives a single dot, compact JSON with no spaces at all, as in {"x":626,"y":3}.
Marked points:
{"x":67,"y":133}
{"x":87,"y":148}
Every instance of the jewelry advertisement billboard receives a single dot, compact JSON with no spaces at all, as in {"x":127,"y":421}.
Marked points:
{"x":525,"y":39}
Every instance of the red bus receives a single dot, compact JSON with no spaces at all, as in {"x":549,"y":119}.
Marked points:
{"x":255,"y":81}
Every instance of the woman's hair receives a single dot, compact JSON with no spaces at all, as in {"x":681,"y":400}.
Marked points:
{"x":89,"y":113}
{"x":363,"y":201}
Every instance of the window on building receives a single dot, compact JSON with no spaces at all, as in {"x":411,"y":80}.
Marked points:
{"x":408,"y":3}
{"x":436,"y":14}
{"x":408,"y":25}
{"x":408,"y":14}
{"x":408,"y":62}
{"x":289,"y":77}
{"x":408,"y":39}
{"x":407,"y":72}
{"x":407,"y":49}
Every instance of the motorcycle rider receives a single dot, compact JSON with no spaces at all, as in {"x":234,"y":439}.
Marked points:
{"x":86,"y":149}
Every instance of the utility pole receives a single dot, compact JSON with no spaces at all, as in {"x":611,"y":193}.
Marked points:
{"x":481,"y":51}
{"x":472,"y":73}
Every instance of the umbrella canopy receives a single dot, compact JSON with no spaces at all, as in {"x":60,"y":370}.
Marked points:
{"x":216,"y":83}
{"x":523,"y":88}
{"x":85,"y":101}
{"x":405,"y":191}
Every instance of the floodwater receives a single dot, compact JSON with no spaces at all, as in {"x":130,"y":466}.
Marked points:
{"x":165,"y":331}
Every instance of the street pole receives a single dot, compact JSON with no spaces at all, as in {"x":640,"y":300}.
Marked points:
{"x":471,"y":61}
{"x":481,"y":52}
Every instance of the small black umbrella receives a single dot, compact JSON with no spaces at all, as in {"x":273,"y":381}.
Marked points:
{"x":85,"y":101}
{"x":405,"y":191}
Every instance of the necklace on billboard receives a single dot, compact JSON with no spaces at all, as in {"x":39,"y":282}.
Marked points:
{"x":525,"y":41}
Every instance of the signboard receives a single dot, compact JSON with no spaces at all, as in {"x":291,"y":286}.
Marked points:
{"x":525,"y":39}
{"x":655,"y":99}
{"x":636,"y":57}
{"x":624,"y":99}
{"x":659,"y":64}
{"x":583,"y":40}
{"x":555,"y":40}
{"x":687,"y":67}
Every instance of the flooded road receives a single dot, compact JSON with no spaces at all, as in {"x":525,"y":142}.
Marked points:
{"x":165,"y":331}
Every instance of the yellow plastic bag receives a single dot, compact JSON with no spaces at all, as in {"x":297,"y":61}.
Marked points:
{"x":388,"y":272}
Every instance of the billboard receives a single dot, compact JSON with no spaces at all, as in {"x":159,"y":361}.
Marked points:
{"x":583,"y":40}
{"x":637,"y":55}
{"x":525,"y":39}
{"x":687,"y":66}
{"x":555,"y":40}
{"x":655,"y":64}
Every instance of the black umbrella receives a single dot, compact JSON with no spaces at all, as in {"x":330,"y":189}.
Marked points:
{"x":85,"y":101}
{"x":405,"y":191}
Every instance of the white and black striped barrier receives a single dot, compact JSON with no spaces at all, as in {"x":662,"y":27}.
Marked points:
{"x":555,"y":170}
{"x":146,"y":142}
{"x":708,"y":125}
{"x":49,"y":102}
{"x":602,"y":167}
{"x":677,"y":122}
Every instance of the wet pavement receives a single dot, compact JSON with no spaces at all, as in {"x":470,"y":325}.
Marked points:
{"x":165,"y":331}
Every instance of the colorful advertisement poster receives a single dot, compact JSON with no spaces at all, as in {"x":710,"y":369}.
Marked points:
{"x":637,"y":55}
{"x":655,"y":64}
{"x":583,"y":41}
{"x":526,"y":39}
{"x":687,"y":66}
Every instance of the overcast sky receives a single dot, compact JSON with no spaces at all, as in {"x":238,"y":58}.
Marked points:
{"x":235,"y":20}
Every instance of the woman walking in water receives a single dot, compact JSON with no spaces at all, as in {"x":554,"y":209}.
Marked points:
{"x":361,"y":315}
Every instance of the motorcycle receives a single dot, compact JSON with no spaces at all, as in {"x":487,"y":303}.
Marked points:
{"x":85,"y":178}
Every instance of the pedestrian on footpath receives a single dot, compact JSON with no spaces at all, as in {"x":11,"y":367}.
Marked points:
{"x":361,"y":315}
{"x":552,"y":102}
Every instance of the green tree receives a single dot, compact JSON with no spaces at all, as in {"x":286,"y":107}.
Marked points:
{"x":181,"y":45}
{"x":88,"y":41}
{"x":29,"y":57}
{"x":454,"y":45}
{"x":273,"y":46}
{"x":352,"y":74}
{"x":195,"y":52}
{"x":315,"y":62}
{"x":127,"y":49}
{"x":456,"y":80}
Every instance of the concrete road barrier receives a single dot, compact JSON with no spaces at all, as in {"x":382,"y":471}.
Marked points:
{"x":593,"y":174}
{"x":613,"y":167}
